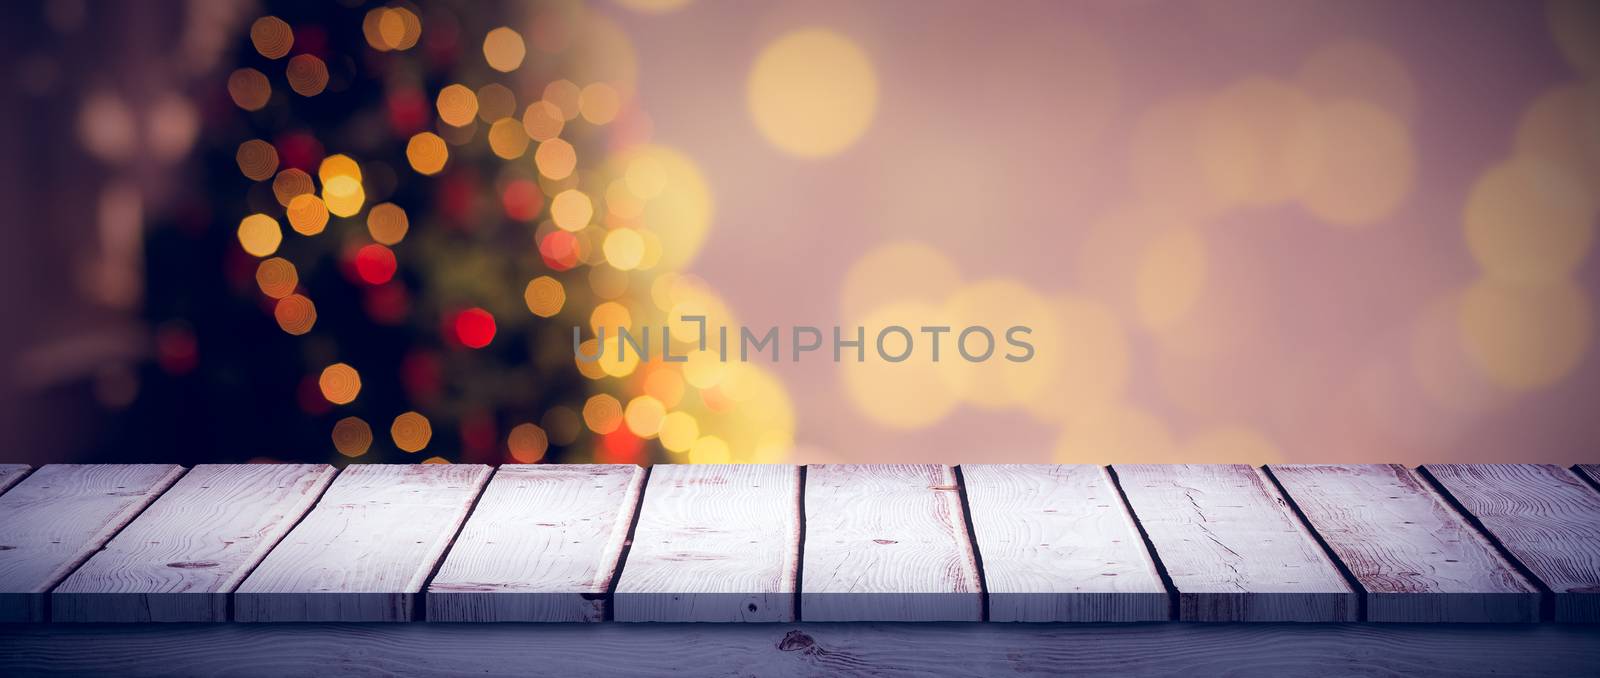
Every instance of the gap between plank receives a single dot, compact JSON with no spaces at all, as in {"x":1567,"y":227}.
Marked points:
{"x":49,"y":609}
{"x":972,"y":541}
{"x":1593,"y":483}
{"x":268,"y":551}
{"x":1547,"y":597}
{"x":800,"y":548}
{"x":1338,"y":564}
{"x":627,"y":547}
{"x":419,"y":610}
{"x":1149,"y":546}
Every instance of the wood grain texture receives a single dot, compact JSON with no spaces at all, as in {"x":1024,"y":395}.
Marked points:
{"x":1416,"y":558}
{"x":11,"y":474}
{"x":541,"y":545}
{"x":887,"y":543}
{"x":1232,"y":547}
{"x":1269,"y":650}
{"x":365,"y":551}
{"x":717,"y":543}
{"x":179,"y":560}
{"x":1591,"y":472}
{"x":1057,"y":544}
{"x":56,"y":518}
{"x":1545,"y":517}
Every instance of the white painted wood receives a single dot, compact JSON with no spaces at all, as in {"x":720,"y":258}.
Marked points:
{"x":887,"y":543}
{"x":10,"y":474}
{"x":1232,"y":547}
{"x":806,"y":649}
{"x":179,"y":560}
{"x":56,"y":518}
{"x":365,"y":551}
{"x":1416,"y":558}
{"x":1545,"y":517}
{"x":714,"y":543}
{"x":1057,"y":544}
{"x":541,"y":545}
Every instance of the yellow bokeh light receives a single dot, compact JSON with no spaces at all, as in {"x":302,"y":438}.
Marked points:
{"x":1115,"y":434}
{"x":1526,"y":337}
{"x":1258,"y":142}
{"x":1231,"y":445}
{"x":544,"y":296}
{"x":387,"y":223}
{"x":435,"y":460}
{"x":704,"y":369}
{"x":503,"y":49}
{"x":995,"y":304}
{"x":679,"y":430}
{"x":257,"y":159}
{"x":527,"y":443}
{"x":260,"y":235}
{"x":1166,"y":159}
{"x":599,"y":103}
{"x":590,"y":368}
{"x":624,"y":248}
{"x":709,"y":450}
{"x":556,"y":159}
{"x":343,"y":195}
{"x":542,"y":120}
{"x":1361,"y":70}
{"x":290,"y":183}
{"x":565,"y":96}
{"x":340,"y":383}
{"x":411,"y":432}
{"x":1440,"y":364}
{"x":653,"y":6}
{"x":678,"y":207}
{"x":1171,"y":277}
{"x":901,"y":271}
{"x":308,"y":215}
{"x":1562,"y":127}
{"x":812,"y":92}
{"x":391,"y":28}
{"x":571,"y":210}
{"x":427,"y":153}
{"x":644,"y":415}
{"x":1529,"y":221}
{"x":507,"y":139}
{"x":295,"y":314}
{"x":602,"y":413}
{"x":307,"y":75}
{"x":457,"y":105}
{"x":610,"y":315}
{"x":271,"y":37}
{"x":277,"y":277}
{"x":1084,"y":355}
{"x":1365,"y":167}
{"x":338,"y":165}
{"x":249,"y":89}
{"x":352,"y":436}
{"x":906,"y":395}
{"x":664,"y":384}
{"x":496,"y":101}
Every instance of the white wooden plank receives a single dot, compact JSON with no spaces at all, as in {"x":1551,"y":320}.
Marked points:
{"x":179,"y":560}
{"x":887,"y":543}
{"x":1416,"y":558}
{"x":804,"y":649}
{"x":714,"y":543}
{"x":56,"y":518}
{"x":11,"y":474}
{"x":365,"y":551}
{"x":1232,"y":547}
{"x":1545,"y":517}
{"x":541,"y":546}
{"x":1057,"y":544}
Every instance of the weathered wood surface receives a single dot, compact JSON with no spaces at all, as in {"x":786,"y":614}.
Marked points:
{"x":11,"y":474}
{"x":59,"y":516}
{"x":717,"y":543}
{"x":541,"y":546}
{"x":1545,"y":517}
{"x":1416,"y":558}
{"x":1232,"y":547}
{"x":887,"y":543}
{"x":806,"y":649}
{"x":182,"y":556}
{"x":1057,"y":544}
{"x":365,"y":551}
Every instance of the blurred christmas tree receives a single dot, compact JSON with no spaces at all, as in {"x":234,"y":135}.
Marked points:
{"x":426,"y":202}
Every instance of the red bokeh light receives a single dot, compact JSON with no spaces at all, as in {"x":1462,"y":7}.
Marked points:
{"x":176,"y":349}
{"x":474,"y":328}
{"x":408,"y":111}
{"x":299,"y":150}
{"x":620,"y":447}
{"x":522,"y":200}
{"x":388,"y":304}
{"x":375,"y":264}
{"x":559,"y":250}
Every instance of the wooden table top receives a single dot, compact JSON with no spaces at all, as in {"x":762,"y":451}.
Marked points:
{"x":823,"y":543}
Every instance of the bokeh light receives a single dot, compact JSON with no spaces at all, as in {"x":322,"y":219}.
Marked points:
{"x":411,"y":432}
{"x":812,"y":92}
{"x":340,"y":383}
